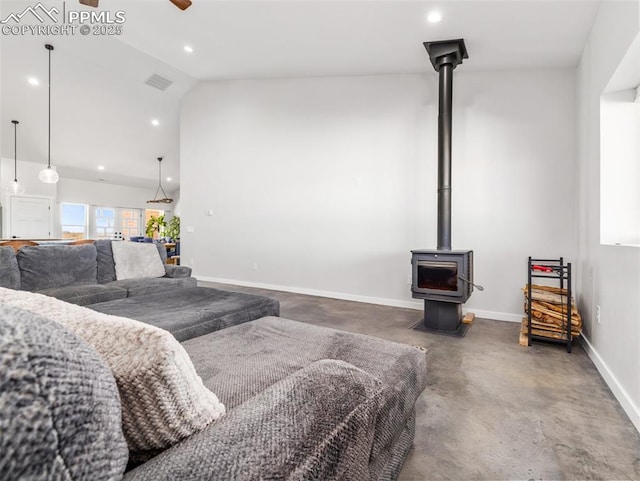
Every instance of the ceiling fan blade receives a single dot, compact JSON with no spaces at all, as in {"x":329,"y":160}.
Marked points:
{"x":90,"y":3}
{"x":181,"y":4}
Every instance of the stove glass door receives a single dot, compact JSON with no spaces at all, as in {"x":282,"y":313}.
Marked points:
{"x":438,"y":275}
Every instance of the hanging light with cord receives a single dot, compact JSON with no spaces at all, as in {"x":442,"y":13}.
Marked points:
{"x":49,"y":175}
{"x":15,"y":187}
{"x":165,"y":199}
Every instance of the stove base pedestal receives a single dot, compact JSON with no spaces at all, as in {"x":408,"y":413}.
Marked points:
{"x":443,"y":318}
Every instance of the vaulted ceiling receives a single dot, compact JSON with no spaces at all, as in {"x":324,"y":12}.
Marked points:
{"x":102,"y":108}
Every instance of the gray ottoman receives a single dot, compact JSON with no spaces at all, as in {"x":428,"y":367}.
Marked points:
{"x":240,"y":362}
{"x":191,"y":312}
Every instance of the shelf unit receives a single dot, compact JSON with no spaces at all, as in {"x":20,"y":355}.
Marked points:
{"x":553,"y":269}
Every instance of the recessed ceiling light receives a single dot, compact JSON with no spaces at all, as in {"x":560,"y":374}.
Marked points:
{"x":169,"y":179}
{"x":101,"y":167}
{"x":155,"y":122}
{"x":33,"y":81}
{"x":188,"y":48}
{"x":434,"y":17}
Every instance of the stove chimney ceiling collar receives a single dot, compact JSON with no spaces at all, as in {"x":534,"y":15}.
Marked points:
{"x":445,"y":52}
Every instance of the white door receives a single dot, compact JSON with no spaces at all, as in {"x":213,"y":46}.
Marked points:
{"x":30,"y":217}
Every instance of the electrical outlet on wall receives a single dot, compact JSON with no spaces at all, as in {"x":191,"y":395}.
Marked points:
{"x":255,"y":266}
{"x":598,"y":314}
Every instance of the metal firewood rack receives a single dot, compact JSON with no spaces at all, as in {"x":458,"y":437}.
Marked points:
{"x":554,"y":269}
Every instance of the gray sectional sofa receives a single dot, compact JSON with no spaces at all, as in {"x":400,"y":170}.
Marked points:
{"x":83,"y":274}
{"x":303,"y":402}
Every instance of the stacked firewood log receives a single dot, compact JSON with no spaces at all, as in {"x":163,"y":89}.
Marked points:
{"x":549,"y":313}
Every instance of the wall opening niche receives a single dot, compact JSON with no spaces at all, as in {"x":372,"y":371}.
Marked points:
{"x":620,"y":153}
{"x":620,"y":168}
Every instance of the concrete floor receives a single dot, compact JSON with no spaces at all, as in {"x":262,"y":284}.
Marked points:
{"x":493,"y":410}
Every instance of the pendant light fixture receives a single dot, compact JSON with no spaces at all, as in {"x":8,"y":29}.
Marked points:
{"x":15,"y":187}
{"x":165,"y":199}
{"x":48,"y":175}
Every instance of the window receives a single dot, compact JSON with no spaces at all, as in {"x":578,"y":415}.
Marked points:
{"x":115,"y":222}
{"x":73,"y":221}
{"x":130,"y":223}
{"x":105,"y":222}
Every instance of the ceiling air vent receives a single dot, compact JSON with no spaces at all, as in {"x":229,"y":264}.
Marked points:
{"x":158,"y":82}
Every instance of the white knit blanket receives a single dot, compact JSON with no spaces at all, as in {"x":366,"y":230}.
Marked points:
{"x":134,"y":260}
{"x":163,"y":398}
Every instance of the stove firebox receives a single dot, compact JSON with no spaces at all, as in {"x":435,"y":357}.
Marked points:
{"x":442,"y":275}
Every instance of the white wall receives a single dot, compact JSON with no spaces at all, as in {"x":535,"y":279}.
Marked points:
{"x":326,"y":184}
{"x":608,"y":276}
{"x":101,"y":193}
{"x":27,"y":176}
{"x":175,"y":207}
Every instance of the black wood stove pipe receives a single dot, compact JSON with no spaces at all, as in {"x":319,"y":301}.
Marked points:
{"x":445,"y":56}
{"x":444,"y":156}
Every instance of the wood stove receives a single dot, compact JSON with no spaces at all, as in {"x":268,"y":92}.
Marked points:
{"x":443,"y":277}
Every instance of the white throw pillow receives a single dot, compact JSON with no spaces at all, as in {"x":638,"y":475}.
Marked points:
{"x":134,"y":260}
{"x":163,"y":398}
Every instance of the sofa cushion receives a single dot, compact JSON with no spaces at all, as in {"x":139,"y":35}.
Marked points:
{"x":151,"y":285}
{"x":134,"y":260}
{"x":188,"y":313}
{"x":59,"y":406}
{"x":43,"y":267}
{"x":9,"y":272}
{"x":177,"y":271}
{"x":85,"y":294}
{"x":106,"y":267}
{"x":162,"y":250}
{"x":163,"y":398}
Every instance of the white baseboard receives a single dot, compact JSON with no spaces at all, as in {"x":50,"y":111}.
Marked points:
{"x":313,"y":292}
{"x":413,"y":304}
{"x":496,"y":316}
{"x":616,"y":388}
